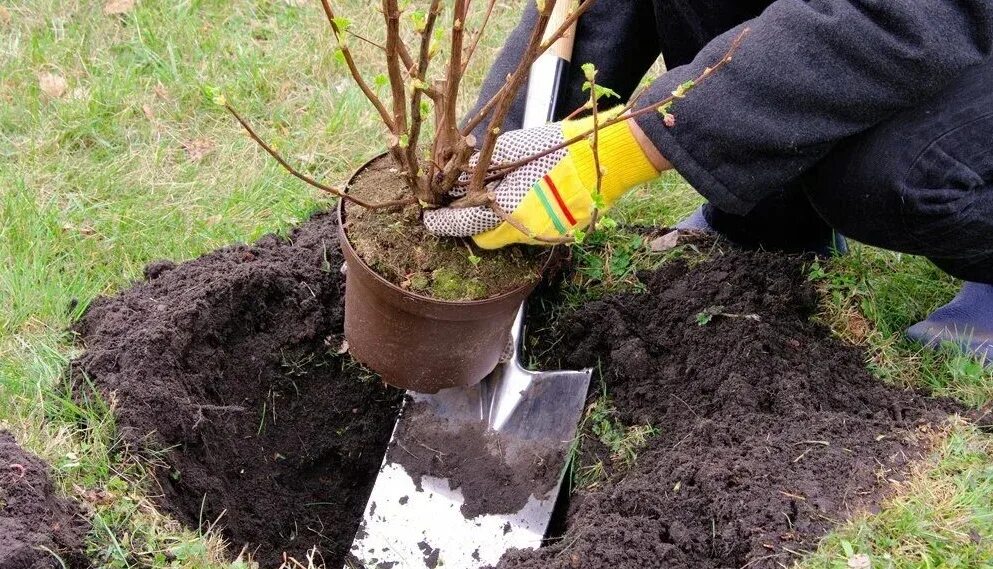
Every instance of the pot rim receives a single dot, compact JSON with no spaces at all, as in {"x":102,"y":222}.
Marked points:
{"x":340,"y":209}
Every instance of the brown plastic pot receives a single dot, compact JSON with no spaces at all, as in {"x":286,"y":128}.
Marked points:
{"x":420,"y":343}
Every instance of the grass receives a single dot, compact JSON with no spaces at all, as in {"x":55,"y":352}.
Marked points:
{"x":133,"y":162}
{"x":942,"y":515}
{"x":601,"y":428}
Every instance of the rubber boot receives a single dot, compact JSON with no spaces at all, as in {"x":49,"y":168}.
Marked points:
{"x":966,"y":321}
{"x":837,"y":245}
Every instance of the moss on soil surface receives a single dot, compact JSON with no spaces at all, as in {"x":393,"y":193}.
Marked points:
{"x":398,"y":247}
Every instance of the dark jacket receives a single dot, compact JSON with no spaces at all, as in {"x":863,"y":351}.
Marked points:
{"x":810,"y":74}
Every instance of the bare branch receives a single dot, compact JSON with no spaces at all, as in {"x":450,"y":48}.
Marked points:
{"x":333,"y":191}
{"x":453,"y":77}
{"x":366,"y":40}
{"x":506,"y":96}
{"x":594,"y":103}
{"x":525,"y":63}
{"x":498,"y":171}
{"x":420,"y":76}
{"x":477,"y":36}
{"x":480,"y":116}
{"x":350,"y":62}
{"x":391,"y":13}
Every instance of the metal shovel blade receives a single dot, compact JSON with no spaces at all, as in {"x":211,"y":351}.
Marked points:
{"x":472,"y":472}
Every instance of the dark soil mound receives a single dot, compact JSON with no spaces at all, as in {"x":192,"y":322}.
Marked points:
{"x":230,"y":364}
{"x":35,"y":524}
{"x":770,"y":431}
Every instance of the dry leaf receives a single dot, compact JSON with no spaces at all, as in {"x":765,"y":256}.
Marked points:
{"x":5,"y":17}
{"x":99,"y":497}
{"x":860,"y":561}
{"x":161,"y":92}
{"x":52,"y":84}
{"x":85,"y":228}
{"x":666,"y":242}
{"x":198,"y":148}
{"x":214,"y":219}
{"x":149,"y":113}
{"x":115,"y":7}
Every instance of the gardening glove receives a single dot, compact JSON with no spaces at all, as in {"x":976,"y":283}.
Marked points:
{"x":552,"y":195}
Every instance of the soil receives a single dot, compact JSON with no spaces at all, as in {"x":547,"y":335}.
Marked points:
{"x":34,"y":521}
{"x":228,"y":368}
{"x":770,"y":431}
{"x":502,"y":473}
{"x":398,"y":247}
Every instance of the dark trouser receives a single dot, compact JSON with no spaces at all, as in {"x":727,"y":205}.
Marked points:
{"x":920,"y":182}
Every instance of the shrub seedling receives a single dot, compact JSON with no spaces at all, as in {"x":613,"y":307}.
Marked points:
{"x":436,"y":169}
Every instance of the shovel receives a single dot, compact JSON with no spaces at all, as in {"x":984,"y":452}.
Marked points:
{"x":473,"y":472}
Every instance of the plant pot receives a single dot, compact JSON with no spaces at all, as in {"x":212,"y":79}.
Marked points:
{"x":419,"y":343}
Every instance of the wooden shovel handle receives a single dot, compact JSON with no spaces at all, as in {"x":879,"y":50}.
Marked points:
{"x":563,"y":46}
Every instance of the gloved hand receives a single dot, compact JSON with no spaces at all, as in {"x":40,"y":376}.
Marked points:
{"x":552,"y":195}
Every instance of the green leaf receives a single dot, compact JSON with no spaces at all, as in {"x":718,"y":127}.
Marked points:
{"x":816,"y":272}
{"x":592,"y":266}
{"x":214,"y":95}
{"x":608,"y":223}
{"x":341,"y":23}
{"x":425,"y":109}
{"x":681,"y":91}
{"x":602,"y":91}
{"x":620,"y":264}
{"x":189,"y":550}
{"x":598,"y":201}
{"x":380,"y":80}
{"x":339,"y":56}
{"x":579,"y":235}
{"x":704,"y":318}
{"x":436,"y":42}
{"x":474,"y":259}
{"x":419,"y":19}
{"x":404,"y":140}
{"x":589,"y":71}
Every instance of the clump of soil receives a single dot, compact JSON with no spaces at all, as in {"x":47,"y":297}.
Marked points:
{"x":36,"y":524}
{"x":398,"y":247}
{"x":770,"y":430}
{"x":495,"y":472}
{"x":229,"y":366}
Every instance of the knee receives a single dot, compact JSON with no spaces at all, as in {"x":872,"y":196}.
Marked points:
{"x":855,"y":188}
{"x":870,"y":189}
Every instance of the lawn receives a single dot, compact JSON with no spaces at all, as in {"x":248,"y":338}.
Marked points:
{"x":112,"y":154}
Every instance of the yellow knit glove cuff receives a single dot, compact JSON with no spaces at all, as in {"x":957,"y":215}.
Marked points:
{"x":561,"y":200}
{"x":622,"y":160}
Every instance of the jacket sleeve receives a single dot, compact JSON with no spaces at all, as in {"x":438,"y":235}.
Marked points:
{"x":810,"y":73}
{"x":619,"y":37}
